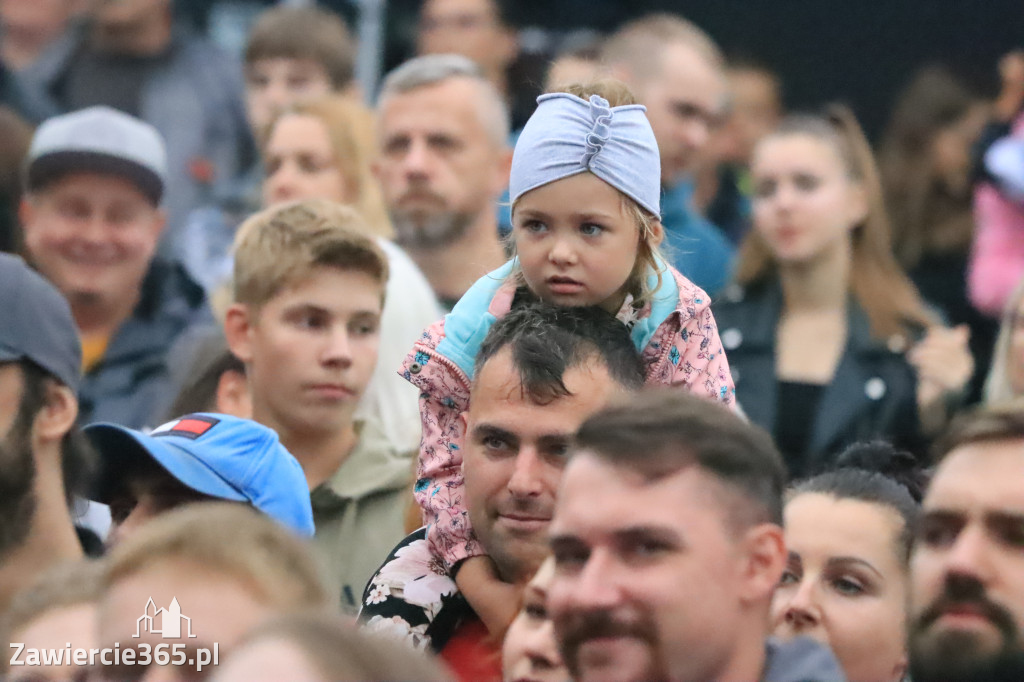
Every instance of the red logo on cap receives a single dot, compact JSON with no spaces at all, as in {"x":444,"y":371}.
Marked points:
{"x":192,"y":426}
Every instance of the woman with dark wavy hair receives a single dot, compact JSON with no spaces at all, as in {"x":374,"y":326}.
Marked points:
{"x":849,"y":532}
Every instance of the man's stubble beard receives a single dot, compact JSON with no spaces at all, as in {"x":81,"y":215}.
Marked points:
{"x":418,"y":231}
{"x":958,"y":656}
{"x":17,"y":489}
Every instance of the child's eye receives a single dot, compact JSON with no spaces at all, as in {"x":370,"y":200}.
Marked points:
{"x":534,"y":226}
{"x":591,"y":229}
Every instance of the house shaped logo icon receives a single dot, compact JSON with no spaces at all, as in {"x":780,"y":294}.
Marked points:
{"x":170,"y":619}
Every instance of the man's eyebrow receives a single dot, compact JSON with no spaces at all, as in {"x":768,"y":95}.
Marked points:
{"x":647,"y":532}
{"x":565,"y":541}
{"x":554,"y":439}
{"x":484,"y":430}
{"x":944,"y":515}
{"x":1004,"y":518}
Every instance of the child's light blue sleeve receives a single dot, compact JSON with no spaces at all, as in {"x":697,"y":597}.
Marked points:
{"x":664,"y":303}
{"x":469,"y":321}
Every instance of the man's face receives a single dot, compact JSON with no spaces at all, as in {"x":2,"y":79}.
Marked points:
{"x":755,"y":112}
{"x":17,"y":465}
{"x":310,"y":352}
{"x":967,"y":569}
{"x":439,"y":166}
{"x":123,"y":14}
{"x":647,"y":575}
{"x":273,"y":84}
{"x":46,"y":17}
{"x":684,"y":103}
{"x":471,"y":28}
{"x":93,"y":236}
{"x":220,"y":609}
{"x":147,"y":493}
{"x":514,"y":455}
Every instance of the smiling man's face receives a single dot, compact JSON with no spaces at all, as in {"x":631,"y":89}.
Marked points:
{"x":514,"y":456}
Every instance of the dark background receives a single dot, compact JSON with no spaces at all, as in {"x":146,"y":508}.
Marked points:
{"x":860,"y":52}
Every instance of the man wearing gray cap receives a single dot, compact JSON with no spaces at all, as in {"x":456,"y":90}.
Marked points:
{"x":92,"y":222}
{"x":43,"y":456}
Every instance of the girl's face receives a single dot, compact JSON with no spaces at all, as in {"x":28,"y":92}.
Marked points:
{"x":1015,"y":363}
{"x":530,"y":651}
{"x":300,"y":164}
{"x":804,"y":202}
{"x":845,"y":584}
{"x":577,"y":242}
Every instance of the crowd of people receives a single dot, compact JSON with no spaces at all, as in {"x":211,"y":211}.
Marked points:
{"x":645,"y":378}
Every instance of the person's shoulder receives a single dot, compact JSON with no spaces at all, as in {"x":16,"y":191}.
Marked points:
{"x":406,"y":594}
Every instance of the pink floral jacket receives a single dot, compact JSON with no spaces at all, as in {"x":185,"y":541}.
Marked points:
{"x":682,"y":350}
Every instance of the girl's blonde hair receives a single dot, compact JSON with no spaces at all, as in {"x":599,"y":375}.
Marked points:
{"x":880,"y":286}
{"x":350,"y":129}
{"x":997,"y":385}
{"x":648,"y":257}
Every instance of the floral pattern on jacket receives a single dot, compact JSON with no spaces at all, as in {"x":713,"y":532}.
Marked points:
{"x":684,"y":351}
{"x":412,"y":599}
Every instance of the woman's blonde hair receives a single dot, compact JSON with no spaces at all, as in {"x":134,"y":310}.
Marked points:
{"x":648,"y":257}
{"x":997,"y":385}
{"x":350,"y":128}
{"x":877,"y":282}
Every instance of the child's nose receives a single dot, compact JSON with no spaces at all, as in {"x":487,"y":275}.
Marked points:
{"x":562,"y":252}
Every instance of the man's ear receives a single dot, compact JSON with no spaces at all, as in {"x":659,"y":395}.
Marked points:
{"x":26,"y":212}
{"x":159,"y":221}
{"x":763,"y":554}
{"x":58,"y":415}
{"x":238,"y":323}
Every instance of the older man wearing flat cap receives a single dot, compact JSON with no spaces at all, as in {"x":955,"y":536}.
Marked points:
{"x":92,"y":221}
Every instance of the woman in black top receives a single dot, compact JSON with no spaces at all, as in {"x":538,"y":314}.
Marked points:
{"x":827,"y":339}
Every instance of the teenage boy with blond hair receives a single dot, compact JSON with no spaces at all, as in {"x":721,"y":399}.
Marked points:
{"x":308,"y":293}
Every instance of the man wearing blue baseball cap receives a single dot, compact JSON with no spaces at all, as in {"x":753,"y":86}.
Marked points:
{"x":43,"y":457}
{"x":196,"y":458}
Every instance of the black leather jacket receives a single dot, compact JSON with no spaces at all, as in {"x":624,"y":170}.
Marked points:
{"x":871,"y":396}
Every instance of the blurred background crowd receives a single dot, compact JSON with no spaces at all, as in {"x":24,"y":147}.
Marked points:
{"x":844,"y":185}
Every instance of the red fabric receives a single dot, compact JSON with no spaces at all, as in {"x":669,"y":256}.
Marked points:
{"x":471,"y":653}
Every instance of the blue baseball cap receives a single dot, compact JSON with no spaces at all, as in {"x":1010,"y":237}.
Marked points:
{"x":214,"y":454}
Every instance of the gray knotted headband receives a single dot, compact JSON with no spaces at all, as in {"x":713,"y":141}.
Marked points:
{"x":568,"y":135}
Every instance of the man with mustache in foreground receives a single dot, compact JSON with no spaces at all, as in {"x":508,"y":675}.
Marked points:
{"x":668,"y":544}
{"x":444,"y":160}
{"x":967,"y":568}
{"x":539,"y":373}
